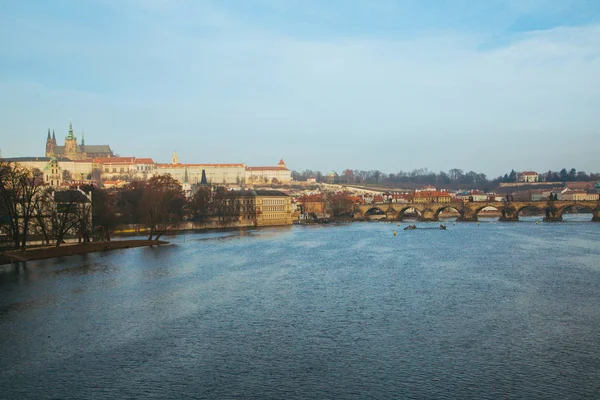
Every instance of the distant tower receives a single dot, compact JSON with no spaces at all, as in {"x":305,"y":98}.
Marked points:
{"x":281,"y":163}
{"x":203,"y":181}
{"x":82,"y":154}
{"x":71,"y":144}
{"x":49,"y":146}
{"x":186,"y":187}
{"x":174,"y":158}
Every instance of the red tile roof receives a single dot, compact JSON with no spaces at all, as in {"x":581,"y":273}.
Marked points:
{"x":115,"y":160}
{"x":311,"y":197}
{"x":431,"y":194}
{"x":144,"y":161}
{"x":579,"y":185}
{"x":199,"y":165}
{"x":267,"y":169}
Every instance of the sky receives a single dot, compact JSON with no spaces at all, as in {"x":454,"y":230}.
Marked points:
{"x":324,"y":84}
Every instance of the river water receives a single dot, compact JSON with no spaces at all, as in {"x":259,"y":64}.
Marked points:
{"x":489,"y":311}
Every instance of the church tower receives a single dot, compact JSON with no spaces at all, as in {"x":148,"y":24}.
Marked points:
{"x":82,"y":154}
{"x":174,"y":158}
{"x":49,"y":145}
{"x":71,"y":144}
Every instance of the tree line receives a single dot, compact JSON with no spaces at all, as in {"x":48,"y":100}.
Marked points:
{"x":29,"y":208}
{"x":453,"y":177}
{"x":160,"y":203}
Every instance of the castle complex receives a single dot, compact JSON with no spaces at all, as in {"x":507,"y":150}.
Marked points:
{"x":80,"y":162}
{"x":73,"y":151}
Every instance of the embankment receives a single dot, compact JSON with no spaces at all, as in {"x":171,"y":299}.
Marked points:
{"x":38,"y":253}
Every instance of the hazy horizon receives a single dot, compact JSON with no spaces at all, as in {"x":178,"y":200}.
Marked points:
{"x":388,"y":85}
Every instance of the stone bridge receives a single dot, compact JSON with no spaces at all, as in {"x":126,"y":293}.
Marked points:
{"x":553,"y":210}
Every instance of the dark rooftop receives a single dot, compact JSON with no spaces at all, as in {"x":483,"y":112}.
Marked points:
{"x":269,"y":193}
{"x":70,"y":196}
{"x":25,"y":159}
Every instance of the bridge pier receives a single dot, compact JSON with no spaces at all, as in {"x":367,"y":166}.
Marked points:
{"x":428,"y":215}
{"x":391,"y":216}
{"x":550,"y":218}
{"x":465,"y":218}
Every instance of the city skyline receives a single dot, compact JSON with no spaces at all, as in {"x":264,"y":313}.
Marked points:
{"x":387,"y":86}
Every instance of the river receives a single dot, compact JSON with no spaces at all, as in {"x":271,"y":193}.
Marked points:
{"x":488,"y":311}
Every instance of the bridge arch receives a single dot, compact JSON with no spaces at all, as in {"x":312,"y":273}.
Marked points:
{"x":374,"y":211}
{"x":401,"y":213}
{"x":453,"y":207}
{"x":576,"y":206}
{"x":539,"y":211}
{"x":481,"y":207}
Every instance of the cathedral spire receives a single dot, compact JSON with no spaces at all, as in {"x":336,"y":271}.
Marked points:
{"x":203,"y":181}
{"x":82,"y":139}
{"x":48,"y":134}
{"x":53,"y":135}
{"x":71,"y":135}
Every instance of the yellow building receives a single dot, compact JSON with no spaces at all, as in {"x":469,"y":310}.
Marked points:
{"x":579,"y":195}
{"x":427,"y":196}
{"x":273,"y":208}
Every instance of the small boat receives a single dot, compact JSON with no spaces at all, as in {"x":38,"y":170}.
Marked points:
{"x":411,"y":227}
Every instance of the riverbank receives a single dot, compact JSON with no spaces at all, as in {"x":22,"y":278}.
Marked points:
{"x":39,"y":253}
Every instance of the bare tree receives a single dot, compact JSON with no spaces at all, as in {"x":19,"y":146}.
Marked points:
{"x":199,"y":207}
{"x":339,"y":203}
{"x":104,"y":212}
{"x":72,"y":206}
{"x":20,"y":191}
{"x":161,"y":204}
{"x":44,"y":210}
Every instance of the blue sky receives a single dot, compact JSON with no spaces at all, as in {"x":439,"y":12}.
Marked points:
{"x":390,"y":85}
